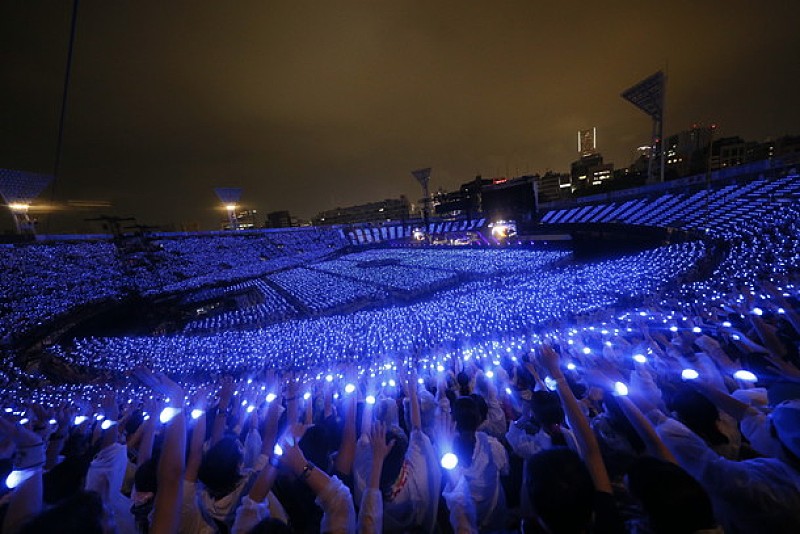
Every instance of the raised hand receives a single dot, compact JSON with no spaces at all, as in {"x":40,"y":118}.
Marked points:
{"x":377,"y":438}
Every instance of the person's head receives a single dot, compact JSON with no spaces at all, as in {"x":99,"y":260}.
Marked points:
{"x":65,"y":479}
{"x":82,"y":513}
{"x":483,"y":406}
{"x":463,"y":383}
{"x":386,"y":411}
{"x":546,"y":408}
{"x":698,"y":413}
{"x":135,"y":419}
{"x":77,"y":444}
{"x":219,"y":469}
{"x":466,"y":414}
{"x":393,"y":463}
{"x":561,"y":490}
{"x":316,"y":446}
{"x":675,"y":502}
{"x":146,"y":479}
{"x":620,"y":422}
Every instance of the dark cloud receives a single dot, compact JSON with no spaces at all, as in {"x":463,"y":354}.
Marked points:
{"x":309,"y":105}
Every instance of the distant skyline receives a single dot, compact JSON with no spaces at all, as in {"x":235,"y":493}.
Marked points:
{"x":312,"y":105}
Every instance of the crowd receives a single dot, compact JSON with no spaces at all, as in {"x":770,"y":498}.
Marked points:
{"x":656,"y":392}
{"x":395,"y":277}
{"x":652,"y":419}
{"x":40,"y":283}
{"x":319,"y":291}
{"x":475,"y":311}
{"x":45,"y":282}
{"x":263,"y":306}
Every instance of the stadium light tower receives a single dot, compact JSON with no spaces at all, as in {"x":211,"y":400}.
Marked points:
{"x":648,"y":96}
{"x":19,"y":189}
{"x":229,"y":196}
{"x":423,"y":176}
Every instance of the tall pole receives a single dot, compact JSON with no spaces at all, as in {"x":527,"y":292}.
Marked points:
{"x":661,"y":122}
{"x":64,"y":99}
{"x":423,"y":176}
{"x":708,"y":172}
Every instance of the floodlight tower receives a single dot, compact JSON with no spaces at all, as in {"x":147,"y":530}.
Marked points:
{"x":229,"y":196}
{"x":648,"y":96}
{"x":18,"y":190}
{"x":423,"y":176}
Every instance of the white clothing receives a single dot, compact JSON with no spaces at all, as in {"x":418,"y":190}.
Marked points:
{"x":482,"y":476}
{"x":105,"y":476}
{"x":759,"y":495}
{"x":415,"y":499}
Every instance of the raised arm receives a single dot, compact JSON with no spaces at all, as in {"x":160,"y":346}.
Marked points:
{"x":645,"y":429}
{"x":587,"y":442}
{"x":370,"y":515}
{"x":225,"y":394}
{"x":147,"y":436}
{"x":167,"y":509}
{"x":410,"y":385}
{"x":332,"y":495}
{"x":347,"y":448}
{"x":26,"y":501}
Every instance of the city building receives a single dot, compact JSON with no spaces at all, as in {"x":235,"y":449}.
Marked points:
{"x":278,"y":219}
{"x":554,"y":186}
{"x":240,"y":220}
{"x":464,"y":202}
{"x":589,"y":169}
{"x":687,"y":151}
{"x":391,"y":209}
{"x":510,"y":199}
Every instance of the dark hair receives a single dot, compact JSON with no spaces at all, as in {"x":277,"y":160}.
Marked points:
{"x":316,"y":446}
{"x":82,"y":513}
{"x":466,"y":414}
{"x":547,"y":411}
{"x":467,"y":418}
{"x":674,"y":501}
{"x":483,"y":407}
{"x":561,"y":490}
{"x":145,"y":478}
{"x":463,"y":383}
{"x":620,"y":423}
{"x":546,"y":408}
{"x":135,"y":419}
{"x":393,"y":462}
{"x":65,"y":479}
{"x":219,"y":469}
{"x":698,"y":413}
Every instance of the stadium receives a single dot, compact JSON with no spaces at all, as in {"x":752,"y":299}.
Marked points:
{"x":347,"y":309}
{"x":310,"y":299}
{"x":605,"y":350}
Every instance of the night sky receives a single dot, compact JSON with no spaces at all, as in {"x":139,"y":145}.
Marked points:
{"x":312,"y":105}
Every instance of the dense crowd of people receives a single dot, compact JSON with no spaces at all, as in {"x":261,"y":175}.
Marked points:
{"x":474,"y":310}
{"x":652,"y":392}
{"x":44,"y":282}
{"x":648,"y":420}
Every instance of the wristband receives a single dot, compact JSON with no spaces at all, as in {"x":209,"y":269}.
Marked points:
{"x":275,"y":461}
{"x":29,"y":456}
{"x":306,"y":471}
